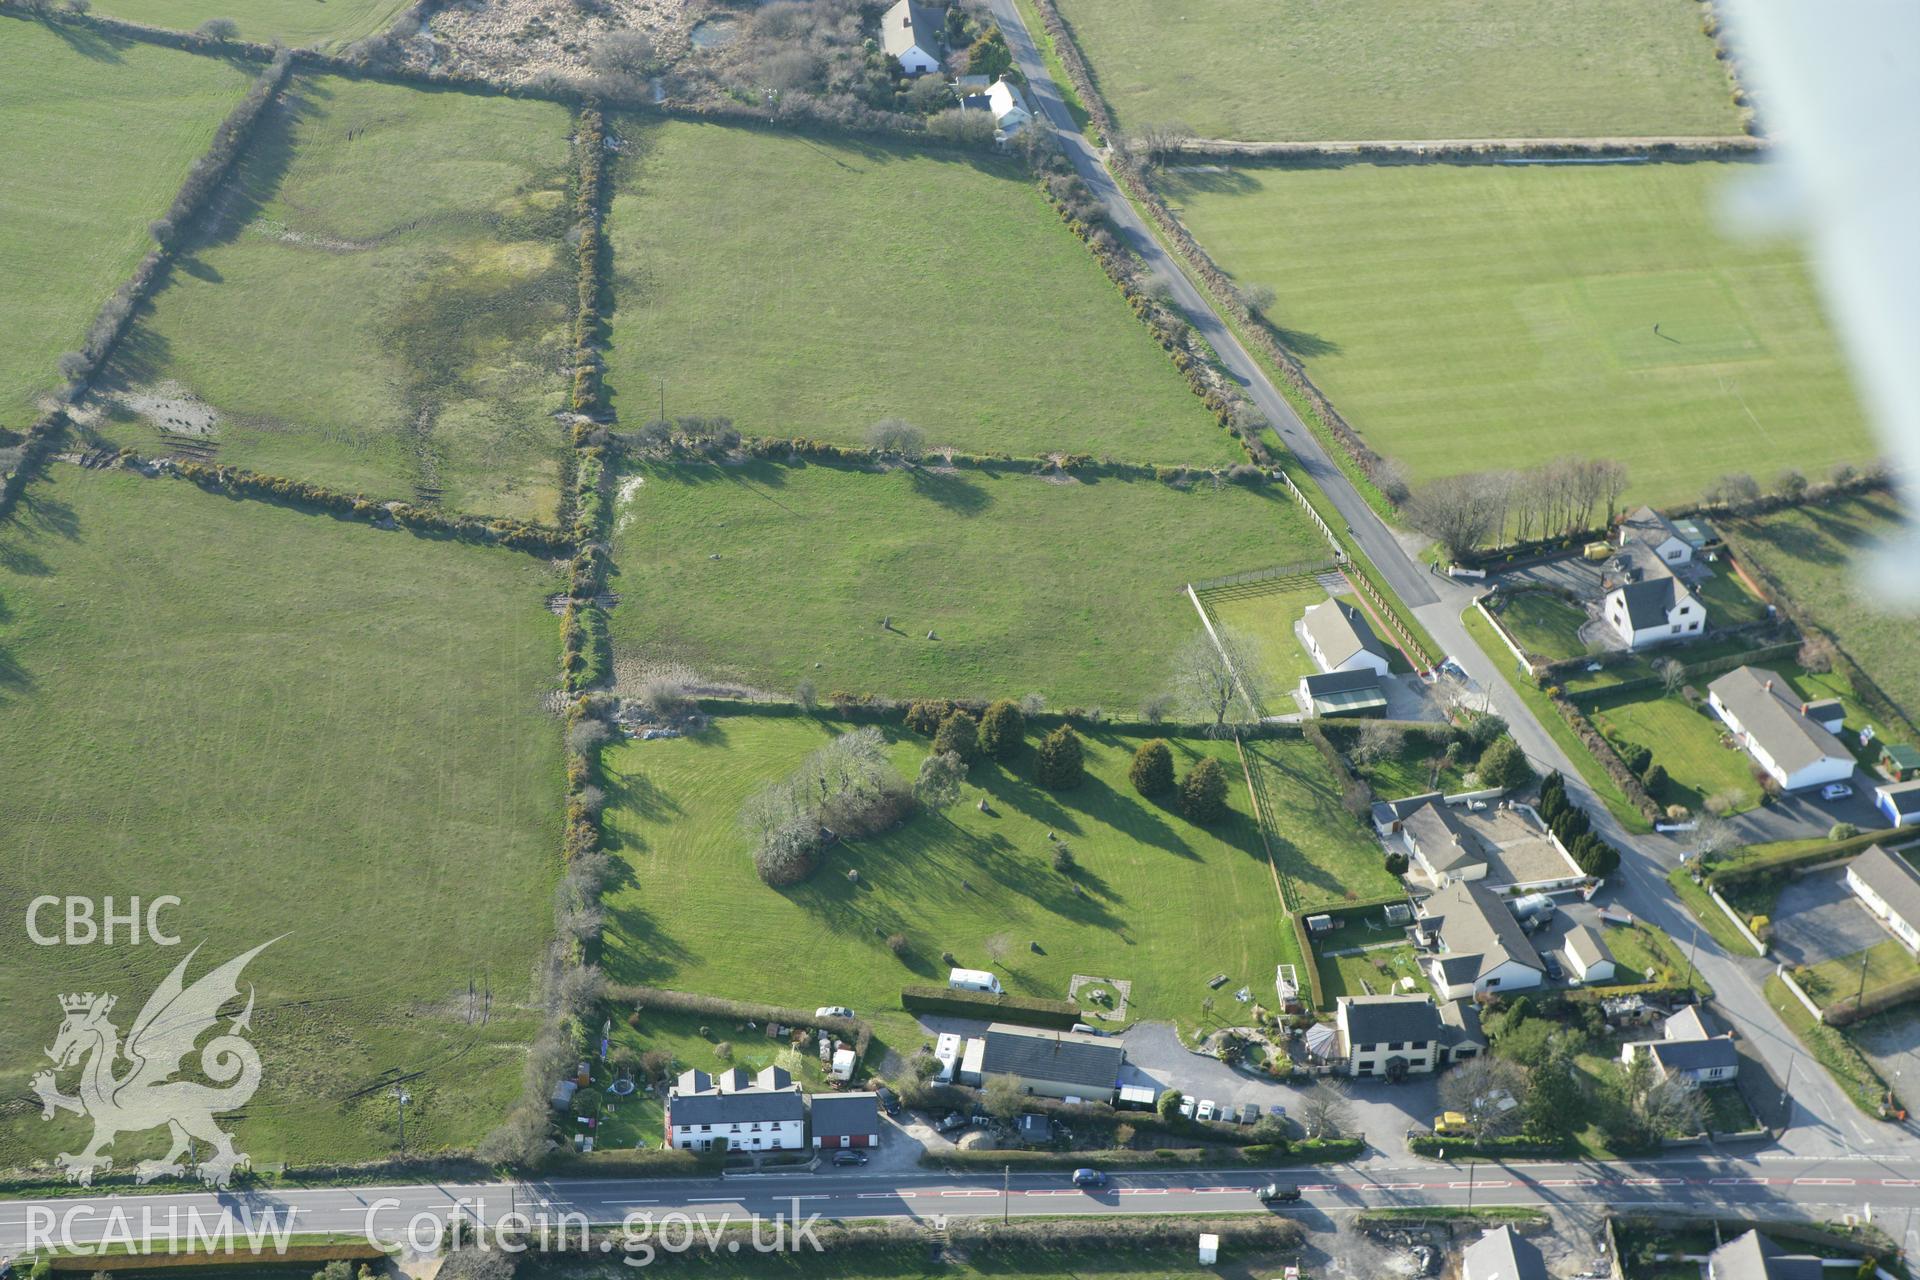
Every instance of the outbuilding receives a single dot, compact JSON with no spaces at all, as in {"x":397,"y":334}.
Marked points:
{"x":845,"y":1120}
{"x":1900,"y":801}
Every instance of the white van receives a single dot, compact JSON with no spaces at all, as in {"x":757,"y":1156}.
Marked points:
{"x":974,"y":980}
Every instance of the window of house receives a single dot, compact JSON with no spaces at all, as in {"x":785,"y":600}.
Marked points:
{"x":1693,"y":626}
{"x":1493,"y":982}
{"x":1466,"y":1051}
{"x":1396,"y":1046}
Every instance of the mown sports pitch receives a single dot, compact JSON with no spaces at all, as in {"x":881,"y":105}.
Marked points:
{"x":1469,"y":317}
{"x":305,"y":730}
{"x":381,"y":304}
{"x":770,"y":575}
{"x":1322,"y":70}
{"x":809,"y":286}
{"x":83,"y":179}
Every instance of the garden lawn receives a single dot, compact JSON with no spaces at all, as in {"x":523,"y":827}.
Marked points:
{"x":1830,"y":1047}
{"x":911,"y":1261}
{"x":809,"y":286}
{"x":1839,"y":978}
{"x":1472,"y":317}
{"x":1163,"y":904}
{"x":1686,"y":741}
{"x":1311,"y":70}
{"x":728,"y":1043}
{"x":1259,"y":625}
{"x":1543,"y":624}
{"x":1409,"y":771}
{"x":1329,"y":858}
{"x":300,"y":23}
{"x":81,"y":185}
{"x":313,"y":733}
{"x":1643,"y":955}
{"x":770,"y":575}
{"x":1818,"y":553}
{"x":1375,"y":973}
{"x":384,"y":307}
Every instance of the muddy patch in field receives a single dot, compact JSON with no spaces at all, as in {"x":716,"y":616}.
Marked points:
{"x":168,"y":407}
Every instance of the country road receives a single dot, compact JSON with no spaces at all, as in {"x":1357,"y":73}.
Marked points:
{"x":1823,"y":1118}
{"x":1758,"y":1187}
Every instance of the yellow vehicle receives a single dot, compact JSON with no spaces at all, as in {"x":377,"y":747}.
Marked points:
{"x":1450,"y":1124}
{"x":1597,"y":551}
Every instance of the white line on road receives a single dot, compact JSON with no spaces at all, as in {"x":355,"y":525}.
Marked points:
{"x":1651,"y":1182}
{"x":1823,"y":1182}
{"x":1141,"y":1191}
{"x":1738,"y":1182}
{"x":713,"y":1199}
{"x":970,"y":1193}
{"x":1569,"y":1182}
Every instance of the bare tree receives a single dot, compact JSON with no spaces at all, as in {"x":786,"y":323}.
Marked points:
{"x":1004,"y":1097}
{"x":1672,"y":673}
{"x":1378,"y":740}
{"x":938,"y":786}
{"x":1487,"y":1091}
{"x":1157,"y":141}
{"x":1816,"y":654}
{"x":1791,"y":484}
{"x":1712,"y":836}
{"x":1733,"y":491}
{"x":623,"y":57}
{"x":1458,"y":512}
{"x":897,"y":437}
{"x":1325,"y":1111}
{"x":1613,"y":482}
{"x":1204,"y":679}
{"x":1256,"y":298}
{"x":1032,"y":704}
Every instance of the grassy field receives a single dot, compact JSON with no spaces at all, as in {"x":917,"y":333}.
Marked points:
{"x":305,"y":730}
{"x":1467,"y":317}
{"x":1329,"y":857}
{"x":1687,"y":742}
{"x":384,"y":306}
{"x":1817,"y":553}
{"x":912,"y":1261}
{"x":81,"y":185}
{"x":810,"y":287}
{"x":1312,"y":70}
{"x":771,"y":575}
{"x":1839,"y":978}
{"x":1541,"y":623}
{"x":321,"y":23}
{"x":1259,"y":625}
{"x":1163,"y":904}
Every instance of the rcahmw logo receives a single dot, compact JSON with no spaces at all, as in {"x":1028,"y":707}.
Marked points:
{"x":86,"y":1230}
{"x":145,"y":1094}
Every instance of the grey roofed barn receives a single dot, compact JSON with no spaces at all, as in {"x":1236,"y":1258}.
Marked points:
{"x":835,"y":1114}
{"x":1059,"y":1056}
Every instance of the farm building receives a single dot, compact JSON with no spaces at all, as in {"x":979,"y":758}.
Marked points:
{"x":914,"y":34}
{"x":1478,"y":945}
{"x":736,"y":1111}
{"x":1342,"y":693}
{"x":1688,"y":1050}
{"x":1053,"y":1064}
{"x":1394,"y":1036}
{"x":1341,"y":639}
{"x":1890,"y":888}
{"x":1502,"y":1255}
{"x":1779,"y":731}
{"x":842,"y":1120}
{"x":1900,"y":801}
{"x":1588,"y":957}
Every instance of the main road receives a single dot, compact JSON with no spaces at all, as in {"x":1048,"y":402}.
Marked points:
{"x":1757,"y":1187}
{"x":1823,"y":1119}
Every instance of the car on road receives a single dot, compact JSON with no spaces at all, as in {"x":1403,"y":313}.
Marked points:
{"x":1274,"y":1193}
{"x":1089,"y":1178}
{"x":833,"y":1011}
{"x":1836,"y":791}
{"x":849,"y":1157}
{"x":1207,"y":1110}
{"x":1186,"y":1107}
{"x":1552,"y":966}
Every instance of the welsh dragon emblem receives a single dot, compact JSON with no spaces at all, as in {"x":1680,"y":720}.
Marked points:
{"x":145,"y":1095}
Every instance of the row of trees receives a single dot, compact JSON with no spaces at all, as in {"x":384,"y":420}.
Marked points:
{"x":1570,"y":823}
{"x":1477,"y":509}
{"x":1203,"y":794}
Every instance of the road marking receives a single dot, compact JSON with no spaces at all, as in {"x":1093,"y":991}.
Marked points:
{"x":818,"y":1197}
{"x":1900,"y":1182}
{"x":1737,"y":1182}
{"x":1569,"y":1182}
{"x":1141,"y":1191}
{"x":1398,"y":1186}
{"x":1823,"y":1182}
{"x":1319,"y":1186}
{"x":1652,"y":1182}
{"x":884,"y":1195}
{"x":713,"y":1199}
{"x":1046,"y":1193}
{"x":970,"y":1193}
{"x":1201,"y":1191}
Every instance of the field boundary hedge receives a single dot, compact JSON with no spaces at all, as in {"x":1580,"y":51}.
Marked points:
{"x":585,"y":647}
{"x":1744,"y":870}
{"x":1057,"y":1015}
{"x":1466,"y":151}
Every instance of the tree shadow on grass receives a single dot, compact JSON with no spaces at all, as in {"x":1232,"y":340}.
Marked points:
{"x":957,"y":493}
{"x":88,"y":42}
{"x":636,"y":947}
{"x":1302,"y":343}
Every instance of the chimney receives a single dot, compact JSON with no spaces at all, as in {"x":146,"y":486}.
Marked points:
{"x":1803,"y":708}
{"x":1769,"y":686}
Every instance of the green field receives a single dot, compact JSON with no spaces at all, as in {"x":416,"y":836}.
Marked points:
{"x":1474,"y":317}
{"x":1819,"y":553}
{"x":301,"y":23}
{"x":306,"y":730}
{"x":770,"y":575}
{"x":384,"y":307}
{"x":1166,"y":904}
{"x":1328,"y":856}
{"x":1541,"y":623}
{"x":1259,"y":624}
{"x":1687,"y":742}
{"x":1322,"y":70}
{"x":1839,"y":978}
{"x":809,"y":286}
{"x":82,"y":182}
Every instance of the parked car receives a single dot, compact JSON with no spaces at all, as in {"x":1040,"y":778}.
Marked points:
{"x":1277,"y":1111}
{"x":1186,"y":1107}
{"x":1089,"y":1178}
{"x":1249,"y":1113}
{"x":954,"y":1120}
{"x":1836,"y":791}
{"x":1450,"y":1124}
{"x":849,"y":1157}
{"x":1274,"y":1193}
{"x":1552,"y":966}
{"x":833,"y":1011}
{"x":1207,"y":1110}
{"x":889,"y":1100}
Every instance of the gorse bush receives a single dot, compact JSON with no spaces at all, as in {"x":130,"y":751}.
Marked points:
{"x":1003,"y":729}
{"x":1061,"y":760}
{"x":1152,"y":770}
{"x":1203,"y":796}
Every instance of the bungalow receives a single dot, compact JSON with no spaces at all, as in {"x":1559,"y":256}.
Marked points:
{"x":1342,"y":693}
{"x":1688,"y":1050}
{"x":1440,"y":846}
{"x":1502,"y":1255}
{"x":1395,"y":1036}
{"x":1009,"y":107}
{"x":1588,"y":957}
{"x":1792,"y":741}
{"x":1890,"y":888}
{"x":766,"y":1112}
{"x":1053,"y":1064}
{"x":1756,"y":1257}
{"x":842,"y":1120}
{"x":1340,"y":639}
{"x":1900,"y":801}
{"x":1478,"y":945}
{"x":914,"y":34}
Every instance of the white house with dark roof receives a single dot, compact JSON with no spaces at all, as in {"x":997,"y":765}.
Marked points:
{"x":1440,"y":845}
{"x":1655,"y":532}
{"x":1395,"y":1036}
{"x":1477,"y":944}
{"x":1688,"y":1050}
{"x":1500,"y":1254}
{"x":1890,"y":888}
{"x":736,"y":1111}
{"x":1644,"y":601}
{"x":1788,"y":738}
{"x":914,"y":35}
{"x":1341,"y":639}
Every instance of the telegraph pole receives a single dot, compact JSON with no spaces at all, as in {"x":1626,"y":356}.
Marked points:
{"x":1006,"y":1192}
{"x":1786,"y":1088}
{"x":1861,"y":993}
{"x":1692,"y":952}
{"x":400,"y":1100}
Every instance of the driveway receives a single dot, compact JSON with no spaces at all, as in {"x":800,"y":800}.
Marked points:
{"x":1566,"y":573}
{"x":1805,"y":816}
{"x":1817,"y":918}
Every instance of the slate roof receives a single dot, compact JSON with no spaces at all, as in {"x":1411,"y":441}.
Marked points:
{"x":1587,"y":946}
{"x":1905,"y":797}
{"x":1321,"y":683}
{"x":1387,"y":812}
{"x":1893,"y":878}
{"x":1059,"y":1056}
{"x":1767,"y":709}
{"x":746,"y":1106}
{"x":1460,"y":1024}
{"x":1649,"y":527}
{"x":908,"y":24}
{"x":1442,"y":841}
{"x":1685,"y":1025}
{"x":842,"y":1113}
{"x":1650,"y":600}
{"x":1478,"y":932}
{"x":1694,"y":1055}
{"x":1341,"y":631}
{"x":1386,"y":1019}
{"x":1502,"y":1255}
{"x":1756,"y":1257}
